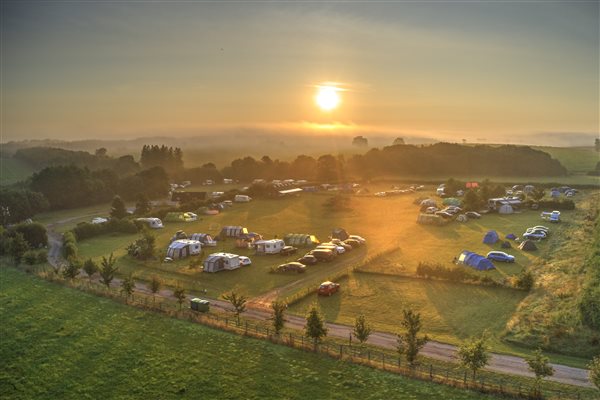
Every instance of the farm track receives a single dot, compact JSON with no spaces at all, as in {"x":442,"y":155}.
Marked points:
{"x":257,"y":307}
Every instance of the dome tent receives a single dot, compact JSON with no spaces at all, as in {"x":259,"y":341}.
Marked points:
{"x":476,"y":261}
{"x":491,"y":237}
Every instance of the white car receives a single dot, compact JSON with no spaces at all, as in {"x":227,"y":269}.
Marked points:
{"x":361,"y":239}
{"x":534,"y":235}
{"x":99,"y":220}
{"x":245,"y":261}
{"x":381,"y":194}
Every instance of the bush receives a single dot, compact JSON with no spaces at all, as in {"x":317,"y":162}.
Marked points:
{"x":454,"y":274}
{"x":42,"y":256}
{"x":30,"y":257}
{"x":86,"y":230}
{"x":35,"y":234}
{"x":564,"y":204}
{"x":525,"y":281}
{"x":589,"y":306}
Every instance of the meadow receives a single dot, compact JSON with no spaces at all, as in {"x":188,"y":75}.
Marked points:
{"x":63,"y":343}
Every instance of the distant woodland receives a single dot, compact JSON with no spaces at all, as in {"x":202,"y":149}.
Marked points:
{"x":68,"y":179}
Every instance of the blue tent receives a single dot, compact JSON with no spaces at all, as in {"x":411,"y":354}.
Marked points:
{"x":476,"y":261}
{"x":491,"y":237}
{"x":511,"y":236}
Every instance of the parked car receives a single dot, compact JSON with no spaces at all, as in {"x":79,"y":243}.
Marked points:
{"x":352,"y":242}
{"x":431,"y":210}
{"x":473,"y":214}
{"x":287,"y":250}
{"x":542,"y":227}
{"x":444,"y":214}
{"x":292,"y":267}
{"x":338,"y":242}
{"x":323,"y":254}
{"x":331,"y":246}
{"x":328,"y":288}
{"x":360,"y":239}
{"x":308,"y":259}
{"x":536,"y":230}
{"x":500,"y":256}
{"x":534,"y":235}
{"x":245,"y":261}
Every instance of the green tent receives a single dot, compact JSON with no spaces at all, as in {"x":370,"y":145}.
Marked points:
{"x":300,"y":239}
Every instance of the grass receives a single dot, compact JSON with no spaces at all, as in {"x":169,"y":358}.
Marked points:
{"x":575,"y":159}
{"x":399,"y":236}
{"x":62,"y":343}
{"x":13,"y":170}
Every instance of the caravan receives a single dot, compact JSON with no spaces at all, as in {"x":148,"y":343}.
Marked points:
{"x":183,"y":248}
{"x":272,"y":246}
{"x":154,"y":223}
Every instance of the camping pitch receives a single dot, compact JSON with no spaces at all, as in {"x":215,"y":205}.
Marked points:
{"x":474,"y":260}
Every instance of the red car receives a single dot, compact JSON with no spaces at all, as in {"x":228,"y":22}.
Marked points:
{"x":328,"y":288}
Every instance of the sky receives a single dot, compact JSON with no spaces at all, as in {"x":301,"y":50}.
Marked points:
{"x":488,"y":70}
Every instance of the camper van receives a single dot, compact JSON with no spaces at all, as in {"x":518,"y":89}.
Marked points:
{"x":154,"y":223}
{"x":272,"y":246}
{"x":242,"y":198}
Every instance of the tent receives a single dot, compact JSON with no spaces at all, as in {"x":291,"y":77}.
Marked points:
{"x":300,"y":239}
{"x":528,"y":189}
{"x":511,"y":236}
{"x":451,"y":201}
{"x":506,"y":209}
{"x":491,"y":237}
{"x":204,"y":238}
{"x":428,"y":203}
{"x":233,"y":231}
{"x":183,"y":248}
{"x":555,"y":193}
{"x":528,"y":245}
{"x":474,"y":260}
{"x":339,"y":233}
{"x":506,"y":245}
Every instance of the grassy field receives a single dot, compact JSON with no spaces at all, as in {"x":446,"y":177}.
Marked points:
{"x":13,"y":170}
{"x":62,"y":343}
{"x":575,"y":159}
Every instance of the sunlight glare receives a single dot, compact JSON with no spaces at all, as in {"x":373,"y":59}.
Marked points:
{"x":327,"y":98}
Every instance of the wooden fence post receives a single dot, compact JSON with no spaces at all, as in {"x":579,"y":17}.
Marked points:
{"x":431,"y":371}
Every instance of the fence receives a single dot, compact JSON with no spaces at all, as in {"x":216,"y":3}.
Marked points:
{"x":388,"y":361}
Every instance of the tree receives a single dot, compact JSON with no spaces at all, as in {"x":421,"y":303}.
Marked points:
{"x":118,"y":210}
{"x":107,"y":270}
{"x":17,"y":247}
{"x":360,"y":141}
{"x":538,"y":194}
{"x":540,"y":366}
{"x":90,"y":268}
{"x":142,"y":205}
{"x":473,"y":354}
{"x":594,"y":367}
{"x":278,"y":308}
{"x":398,"y":141}
{"x":101,"y":152}
{"x":315,"y":325}
{"x":362,"y":329}
{"x":179,"y":294}
{"x":72,"y":269}
{"x":127,"y":286}
{"x":155,"y":285}
{"x":472,"y":201}
{"x":238,"y":301}
{"x":409,"y":343}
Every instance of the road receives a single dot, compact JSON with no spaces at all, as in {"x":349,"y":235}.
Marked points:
{"x":440,"y":351}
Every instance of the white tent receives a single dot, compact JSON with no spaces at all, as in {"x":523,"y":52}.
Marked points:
{"x":506,"y":209}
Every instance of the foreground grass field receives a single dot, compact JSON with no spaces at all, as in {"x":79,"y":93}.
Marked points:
{"x":61,"y":343}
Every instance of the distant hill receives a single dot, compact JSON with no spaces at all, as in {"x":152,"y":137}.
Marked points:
{"x":14,"y":170}
{"x":575,"y":159}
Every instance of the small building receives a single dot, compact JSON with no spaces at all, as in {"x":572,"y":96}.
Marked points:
{"x":506,"y":209}
{"x":183,"y":248}
{"x":197,"y":304}
{"x":221,"y":261}
{"x":272,"y":246}
{"x":154,"y":223}
{"x":300,"y":240}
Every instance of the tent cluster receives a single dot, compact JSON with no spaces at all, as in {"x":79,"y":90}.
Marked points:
{"x":300,"y":240}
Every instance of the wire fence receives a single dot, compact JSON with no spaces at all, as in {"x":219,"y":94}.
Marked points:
{"x":380,"y":359}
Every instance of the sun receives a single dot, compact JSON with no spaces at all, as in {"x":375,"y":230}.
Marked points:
{"x":327,"y":97}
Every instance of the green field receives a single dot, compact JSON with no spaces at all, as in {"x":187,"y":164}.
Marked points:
{"x":574,"y":159}
{"x":62,"y":343}
{"x":13,"y":170}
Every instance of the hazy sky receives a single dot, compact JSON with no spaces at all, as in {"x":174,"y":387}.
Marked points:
{"x":81,"y":69}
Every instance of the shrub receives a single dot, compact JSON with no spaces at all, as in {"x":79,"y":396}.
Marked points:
{"x":35,"y":234}
{"x":42,"y":256}
{"x":525,"y":281}
{"x":589,"y":306}
{"x":30,"y":257}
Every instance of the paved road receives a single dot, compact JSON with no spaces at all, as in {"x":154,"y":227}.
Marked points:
{"x":440,"y":351}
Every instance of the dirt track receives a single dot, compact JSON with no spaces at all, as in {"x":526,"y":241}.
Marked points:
{"x":440,"y":351}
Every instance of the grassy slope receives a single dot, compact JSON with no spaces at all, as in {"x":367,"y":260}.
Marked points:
{"x":13,"y":170}
{"x":575,"y":159}
{"x":61,"y":343}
